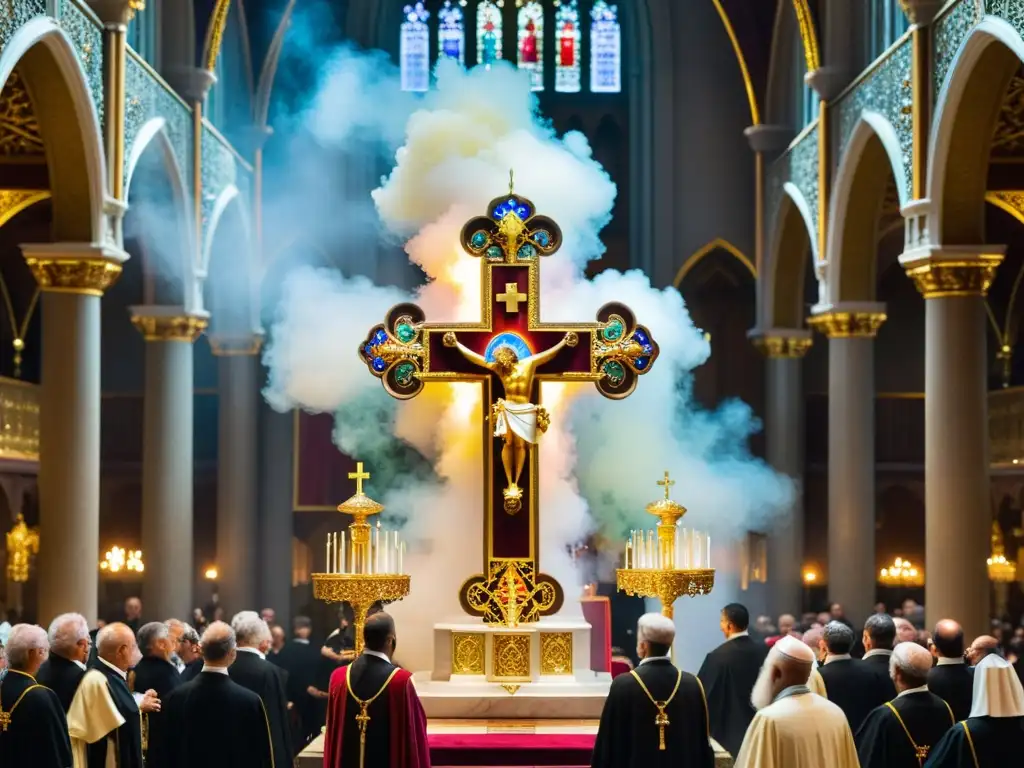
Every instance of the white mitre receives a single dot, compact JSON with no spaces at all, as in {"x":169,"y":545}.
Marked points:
{"x":997,"y":689}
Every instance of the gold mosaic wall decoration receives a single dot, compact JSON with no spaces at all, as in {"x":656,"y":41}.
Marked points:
{"x":468,"y":653}
{"x":512,"y":656}
{"x":556,"y":653}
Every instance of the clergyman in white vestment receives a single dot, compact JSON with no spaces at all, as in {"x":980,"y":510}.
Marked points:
{"x":794,"y":727}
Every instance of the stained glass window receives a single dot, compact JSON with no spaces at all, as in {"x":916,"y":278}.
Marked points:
{"x":605,"y":48}
{"x":451,"y":32}
{"x":531,"y":41}
{"x":567,"y":59}
{"x":414,"y":52}
{"x":488,"y":32}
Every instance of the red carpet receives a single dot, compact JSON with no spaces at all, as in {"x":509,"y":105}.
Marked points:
{"x":523,"y":750}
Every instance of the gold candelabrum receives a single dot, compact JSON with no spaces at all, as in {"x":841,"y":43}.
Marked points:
{"x":670,"y":563}
{"x":364,"y":567}
{"x":22,"y":544}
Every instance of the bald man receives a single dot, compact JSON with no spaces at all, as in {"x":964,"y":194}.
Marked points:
{"x":951,"y":678}
{"x":982,"y":646}
{"x":374,"y":717}
{"x":793,"y":727}
{"x":656,"y":715}
{"x":212,"y":720}
{"x":901,"y":733}
{"x":104,"y":721}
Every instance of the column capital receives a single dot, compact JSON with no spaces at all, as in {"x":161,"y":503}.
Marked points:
{"x":239,"y":345}
{"x":827,"y":81}
{"x":161,"y":323}
{"x":781,"y":342}
{"x":116,"y":13}
{"x":962,"y":270}
{"x":193,"y":83}
{"x":769,"y":139}
{"x":860,"y":320}
{"x":921,"y":12}
{"x":85,"y":268}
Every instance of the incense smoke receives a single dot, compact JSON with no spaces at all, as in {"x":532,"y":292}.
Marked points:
{"x":450,"y":152}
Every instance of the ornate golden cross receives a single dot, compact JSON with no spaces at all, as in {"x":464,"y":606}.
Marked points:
{"x":922,"y":753}
{"x":511,"y":298}
{"x":661,"y":720}
{"x":359,"y":476}
{"x":5,"y":721}
{"x":666,"y":483}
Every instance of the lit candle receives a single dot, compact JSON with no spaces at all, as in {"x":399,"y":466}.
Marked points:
{"x":650,"y":550}
{"x":341,"y":565}
{"x":707,"y":551}
{"x":327,"y":562}
{"x":401,"y":556}
{"x":376,"y":549}
{"x":675,"y":549}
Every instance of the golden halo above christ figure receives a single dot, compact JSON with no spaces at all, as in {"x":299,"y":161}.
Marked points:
{"x":517,"y":421}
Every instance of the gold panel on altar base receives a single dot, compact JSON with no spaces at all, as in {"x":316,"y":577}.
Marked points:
{"x":468,"y":653}
{"x":556,"y":653}
{"x":510,"y":657}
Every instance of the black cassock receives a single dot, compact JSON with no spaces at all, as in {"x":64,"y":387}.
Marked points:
{"x":192,"y":670}
{"x":301,"y":661}
{"x":905,"y":737}
{"x":629,"y":736}
{"x":993,"y":741}
{"x":37,"y":734}
{"x":61,"y":676}
{"x":728,"y":674}
{"x":217,"y":723}
{"x":955,"y":684}
{"x":127,"y":739}
{"x":856,"y":687}
{"x":161,"y":676}
{"x":264,"y":679}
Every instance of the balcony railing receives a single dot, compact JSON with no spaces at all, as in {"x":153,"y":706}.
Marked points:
{"x":19,"y":420}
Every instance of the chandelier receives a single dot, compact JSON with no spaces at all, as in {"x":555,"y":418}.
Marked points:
{"x":121,"y":560}
{"x":1000,"y":569}
{"x":902,"y":573}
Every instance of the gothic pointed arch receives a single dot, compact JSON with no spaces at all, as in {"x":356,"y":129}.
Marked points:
{"x":52,"y":79}
{"x":230,"y":280}
{"x":718,"y":244}
{"x":791,"y":247}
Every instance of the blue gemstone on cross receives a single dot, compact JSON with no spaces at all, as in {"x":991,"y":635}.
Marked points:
{"x":379,"y":365}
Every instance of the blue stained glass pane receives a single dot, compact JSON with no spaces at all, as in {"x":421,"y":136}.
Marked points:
{"x":451,"y":32}
{"x":414,"y":53}
{"x":488,"y":33}
{"x":605,"y":48}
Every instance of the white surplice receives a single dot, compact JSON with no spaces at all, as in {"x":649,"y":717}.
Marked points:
{"x":799,"y":730}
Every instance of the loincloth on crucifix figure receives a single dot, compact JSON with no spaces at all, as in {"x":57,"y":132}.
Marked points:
{"x":517,"y":421}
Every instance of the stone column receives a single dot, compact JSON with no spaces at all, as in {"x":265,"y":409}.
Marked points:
{"x":167,"y":458}
{"x":851,"y":331}
{"x":237,"y":466}
{"x":276,"y":473}
{"x":958,"y":516}
{"x":784,"y":436}
{"x":72,"y":277}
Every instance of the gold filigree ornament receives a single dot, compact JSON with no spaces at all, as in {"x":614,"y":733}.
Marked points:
{"x":19,"y":127}
{"x":172,"y":328}
{"x":89,"y":276}
{"x":468,"y":653}
{"x":556,"y":653}
{"x":848,"y":325}
{"x":22,"y":544}
{"x":775,"y":347}
{"x":510,"y":596}
{"x":622,"y":351}
{"x":512,"y":657}
{"x":667,"y":586}
{"x":941,"y":278}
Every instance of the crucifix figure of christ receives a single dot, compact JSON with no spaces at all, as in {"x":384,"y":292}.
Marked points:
{"x":510,"y":352}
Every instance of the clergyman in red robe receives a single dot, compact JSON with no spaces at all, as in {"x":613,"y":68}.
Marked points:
{"x":374,"y":717}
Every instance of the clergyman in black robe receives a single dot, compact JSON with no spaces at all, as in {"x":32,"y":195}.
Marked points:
{"x":70,"y":642}
{"x":902,"y":732}
{"x":252,"y":671}
{"x":994,"y":733}
{"x":951,"y":678}
{"x":302,"y":662}
{"x":33,"y":731}
{"x":104,"y":717}
{"x":215,"y":721}
{"x":728,"y":675}
{"x":656,"y":716}
{"x":879,"y":637}
{"x":155,"y":672}
{"x":853,"y":685}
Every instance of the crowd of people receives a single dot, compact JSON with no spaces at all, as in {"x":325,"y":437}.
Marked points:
{"x":808,"y":695}
{"x":820,"y":693}
{"x":160,"y":694}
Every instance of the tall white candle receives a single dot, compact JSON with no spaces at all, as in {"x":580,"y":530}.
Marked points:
{"x":650,"y":550}
{"x":376,"y":549}
{"x":401,"y":557}
{"x":341,"y":564}
{"x":327,"y":560}
{"x":707,"y":551}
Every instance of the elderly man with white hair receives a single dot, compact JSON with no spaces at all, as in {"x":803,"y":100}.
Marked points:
{"x":252,"y":670}
{"x":900,"y":733}
{"x":994,"y":733}
{"x":33,"y":731}
{"x":656,"y":715}
{"x":69,"y":651}
{"x":793,"y":727}
{"x":155,"y":672}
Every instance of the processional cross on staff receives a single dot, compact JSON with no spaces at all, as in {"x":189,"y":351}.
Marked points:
{"x":510,"y":351}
